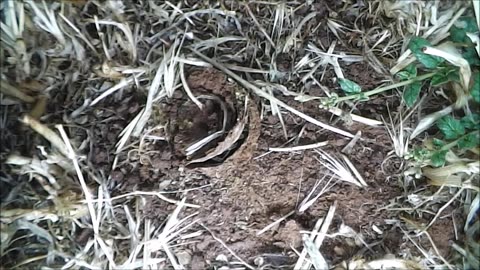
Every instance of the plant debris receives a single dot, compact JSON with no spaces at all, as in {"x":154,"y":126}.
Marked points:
{"x":232,"y":135}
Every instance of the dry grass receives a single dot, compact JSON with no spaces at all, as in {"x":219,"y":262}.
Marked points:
{"x":59,"y":211}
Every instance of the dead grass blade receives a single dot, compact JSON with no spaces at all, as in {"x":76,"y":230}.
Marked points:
{"x":355,"y":117}
{"x":126,"y":132}
{"x":290,"y":42}
{"x":273,"y":224}
{"x":123,"y":83}
{"x":46,"y":20}
{"x":339,"y":169}
{"x":215,"y":42}
{"x":427,"y":121}
{"x":348,"y":148}
{"x":187,"y":88}
{"x":128,"y":34}
{"x":317,"y":258}
{"x":453,"y":175}
{"x":308,"y":201}
{"x":262,"y":94}
{"x":298,"y":148}
{"x":167,"y":65}
{"x":47,"y":133}
{"x":448,"y":52}
{"x":316,"y":236}
{"x":79,"y":33}
{"x":397,"y":135}
{"x":264,"y":32}
{"x":229,"y":250}
{"x":70,"y":153}
{"x":9,"y":90}
{"x":232,"y":137}
{"x":474,"y":207}
{"x":354,"y":170}
{"x":279,"y":20}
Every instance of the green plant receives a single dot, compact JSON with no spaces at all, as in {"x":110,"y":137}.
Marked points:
{"x":457,"y":134}
{"x":438,"y":70}
{"x":442,"y":72}
{"x":348,"y":85}
{"x":449,"y":66}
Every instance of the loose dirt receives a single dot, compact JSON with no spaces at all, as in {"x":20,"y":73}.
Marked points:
{"x":246,"y":192}
{"x":245,"y":189}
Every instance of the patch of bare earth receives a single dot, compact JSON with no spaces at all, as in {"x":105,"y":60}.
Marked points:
{"x":247,"y":188}
{"x":238,"y":198}
{"x":243,"y":194}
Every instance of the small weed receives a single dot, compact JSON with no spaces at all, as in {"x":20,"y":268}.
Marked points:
{"x":456,"y":134}
{"x":440,"y":70}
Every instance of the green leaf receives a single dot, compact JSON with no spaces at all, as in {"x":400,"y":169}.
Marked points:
{"x":451,"y":127}
{"x":410,"y":95}
{"x":470,"y":54}
{"x":467,"y":23}
{"x":458,"y":32}
{"x":439,"y":79}
{"x":350,"y":87}
{"x":416,"y":45}
{"x":445,"y":75}
{"x":420,"y":154}
{"x":469,"y":141}
{"x":403,"y":75}
{"x":475,"y":91}
{"x":471,"y":121}
{"x":438,"y":158}
{"x":363,"y":97}
{"x":453,"y":75}
{"x":408,"y":73}
{"x":458,"y":35}
{"x":438,"y":143}
{"x":412,"y":69}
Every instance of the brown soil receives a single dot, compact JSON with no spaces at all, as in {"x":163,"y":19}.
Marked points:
{"x":240,"y":196}
{"x":243,"y":191}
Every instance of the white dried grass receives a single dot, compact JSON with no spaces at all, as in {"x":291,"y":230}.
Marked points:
{"x":46,"y":20}
{"x":397,"y":135}
{"x":316,"y":236}
{"x":308,"y":200}
{"x":345,"y":170}
{"x":187,"y":88}
{"x":122,"y":84}
{"x":267,"y":96}
{"x":436,"y":32}
{"x":428,"y":120}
